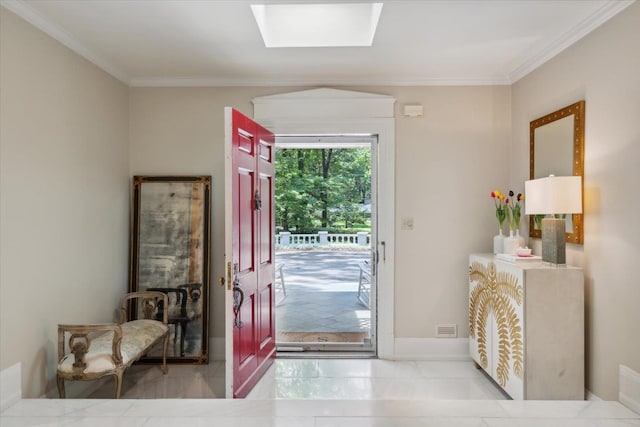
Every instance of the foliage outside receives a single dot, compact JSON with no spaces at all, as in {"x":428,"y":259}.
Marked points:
{"x":323,"y":189}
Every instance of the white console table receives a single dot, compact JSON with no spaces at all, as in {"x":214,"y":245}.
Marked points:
{"x":526,"y":326}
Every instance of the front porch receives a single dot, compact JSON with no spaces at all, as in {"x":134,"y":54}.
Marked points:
{"x":321,"y":302}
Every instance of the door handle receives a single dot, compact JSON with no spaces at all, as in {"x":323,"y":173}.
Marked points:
{"x":384,"y":251}
{"x":257,"y":202}
{"x":238,"y":298}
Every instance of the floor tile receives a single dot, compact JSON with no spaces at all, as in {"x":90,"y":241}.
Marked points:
{"x":448,"y":369}
{"x":233,"y":422}
{"x":297,"y":368}
{"x":603,"y":409}
{"x":555,"y":422}
{"x":324,"y":388}
{"x":544,"y":409}
{"x":430,"y":388}
{"x":373,"y":368}
{"x":73,"y":421}
{"x":398,"y":422}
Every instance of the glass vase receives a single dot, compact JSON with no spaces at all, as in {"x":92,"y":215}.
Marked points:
{"x":510,"y":243}
{"x":521,"y":241}
{"x":498,"y":242}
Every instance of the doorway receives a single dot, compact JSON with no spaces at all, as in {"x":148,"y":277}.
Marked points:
{"x":326,"y":229}
{"x":326,"y":110}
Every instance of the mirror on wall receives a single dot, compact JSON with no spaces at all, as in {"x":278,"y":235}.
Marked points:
{"x":170,"y":229}
{"x":557,"y":148}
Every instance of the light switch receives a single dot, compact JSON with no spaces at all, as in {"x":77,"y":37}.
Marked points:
{"x":406,"y":223}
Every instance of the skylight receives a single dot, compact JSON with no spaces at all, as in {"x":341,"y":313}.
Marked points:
{"x":317,"y":25}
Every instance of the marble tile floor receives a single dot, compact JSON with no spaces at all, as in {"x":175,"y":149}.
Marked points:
{"x":322,"y":379}
{"x":373,"y":379}
{"x":319,"y":393}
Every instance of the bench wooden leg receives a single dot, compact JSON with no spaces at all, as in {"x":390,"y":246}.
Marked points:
{"x":61,"y":391}
{"x":118,"y":383}
{"x":165,"y":370}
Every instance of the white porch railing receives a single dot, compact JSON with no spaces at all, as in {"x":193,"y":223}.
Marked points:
{"x":323,"y":238}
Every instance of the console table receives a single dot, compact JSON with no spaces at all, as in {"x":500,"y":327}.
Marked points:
{"x":526,"y":326}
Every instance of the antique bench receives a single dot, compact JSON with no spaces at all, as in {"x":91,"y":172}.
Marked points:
{"x":94,"y":351}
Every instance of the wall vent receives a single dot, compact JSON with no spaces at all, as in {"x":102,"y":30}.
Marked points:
{"x":447,"y":331}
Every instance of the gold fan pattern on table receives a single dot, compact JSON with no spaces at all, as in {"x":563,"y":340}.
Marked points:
{"x":497,"y":293}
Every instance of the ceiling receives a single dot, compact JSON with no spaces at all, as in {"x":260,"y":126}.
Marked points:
{"x":217,"y":43}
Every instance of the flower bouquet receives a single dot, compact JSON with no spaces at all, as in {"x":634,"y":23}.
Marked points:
{"x":501,"y":207}
{"x":514,"y":212}
{"x":501,"y":215}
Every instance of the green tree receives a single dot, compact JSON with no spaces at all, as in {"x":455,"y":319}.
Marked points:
{"x":315,"y":188}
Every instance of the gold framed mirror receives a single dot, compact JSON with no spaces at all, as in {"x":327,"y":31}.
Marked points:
{"x":170,"y":242}
{"x":556,"y":147}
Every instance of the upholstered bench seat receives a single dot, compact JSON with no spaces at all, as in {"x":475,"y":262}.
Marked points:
{"x":137,"y":336}
{"x":89,"y":352}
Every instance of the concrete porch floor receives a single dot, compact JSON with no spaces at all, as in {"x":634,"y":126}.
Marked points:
{"x":322,"y":292}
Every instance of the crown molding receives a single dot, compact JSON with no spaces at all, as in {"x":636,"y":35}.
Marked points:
{"x":598,"y":18}
{"x":231,"y":82}
{"x":33,"y":17}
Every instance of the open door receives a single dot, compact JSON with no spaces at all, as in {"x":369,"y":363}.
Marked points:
{"x":249,"y":252}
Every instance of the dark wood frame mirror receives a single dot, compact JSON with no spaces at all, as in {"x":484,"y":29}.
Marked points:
{"x":557,"y":147}
{"x":170,"y":249}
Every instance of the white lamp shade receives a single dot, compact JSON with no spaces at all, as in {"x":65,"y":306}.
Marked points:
{"x":553,"y":195}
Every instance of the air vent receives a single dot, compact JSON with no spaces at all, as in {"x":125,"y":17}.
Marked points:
{"x":446,"y":331}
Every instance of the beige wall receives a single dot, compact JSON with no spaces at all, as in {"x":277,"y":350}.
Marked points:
{"x":64,"y":196}
{"x":604,"y":69}
{"x":447,"y":163}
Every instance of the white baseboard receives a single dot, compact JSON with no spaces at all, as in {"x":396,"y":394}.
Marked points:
{"x":629,"y":394}
{"x":10,"y":386}
{"x":431,"y":349}
{"x":592,"y":397}
{"x":216,"y":348}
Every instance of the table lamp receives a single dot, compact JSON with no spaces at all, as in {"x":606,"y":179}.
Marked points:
{"x":553,"y":195}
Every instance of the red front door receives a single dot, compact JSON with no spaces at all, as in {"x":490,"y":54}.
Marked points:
{"x":250,"y":314}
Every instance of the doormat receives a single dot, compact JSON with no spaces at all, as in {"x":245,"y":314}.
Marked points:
{"x":356,"y":337}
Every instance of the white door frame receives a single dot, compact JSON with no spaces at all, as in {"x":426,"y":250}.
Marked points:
{"x":343,"y":141}
{"x":332,"y":111}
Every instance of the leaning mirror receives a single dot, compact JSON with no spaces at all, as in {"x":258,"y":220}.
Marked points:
{"x":557,"y":148}
{"x":170,"y":229}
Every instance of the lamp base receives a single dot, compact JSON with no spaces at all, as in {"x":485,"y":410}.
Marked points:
{"x":554,"y":241}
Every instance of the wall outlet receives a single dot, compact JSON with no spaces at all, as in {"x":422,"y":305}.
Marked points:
{"x":406,"y":223}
